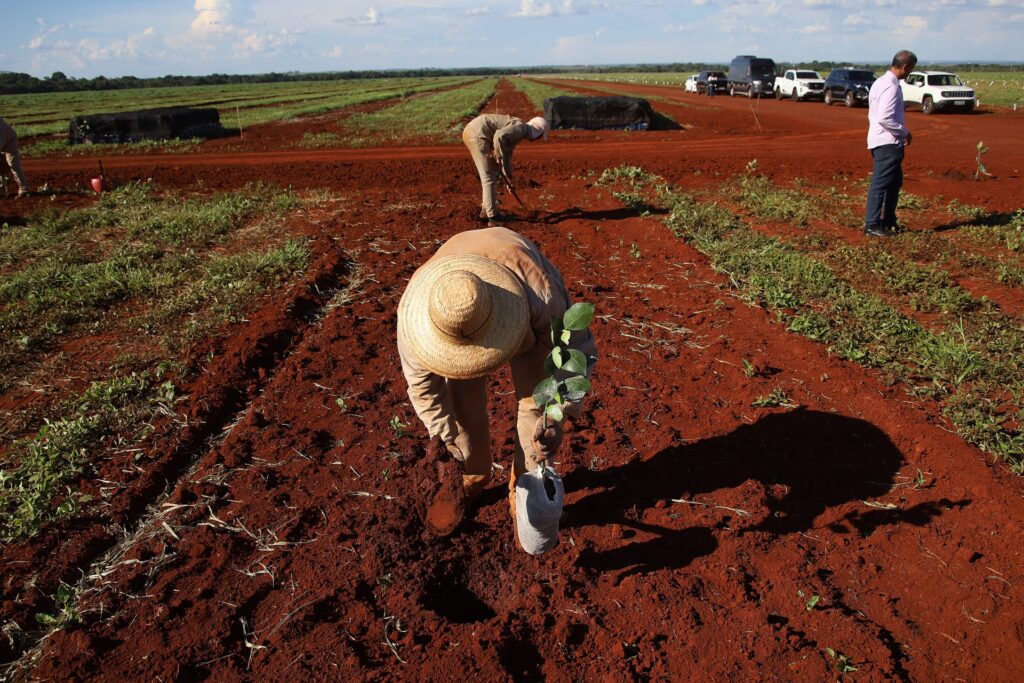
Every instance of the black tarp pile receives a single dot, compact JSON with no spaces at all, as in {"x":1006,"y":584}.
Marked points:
{"x":599,"y":113}
{"x":168,"y":123}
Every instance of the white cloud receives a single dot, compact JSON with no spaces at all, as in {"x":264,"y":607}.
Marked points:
{"x":813,"y":28}
{"x":212,"y":16}
{"x":600,"y":32}
{"x":857,"y":19}
{"x":568,"y":48}
{"x":912,"y":25}
{"x":373,"y":17}
{"x":1017,"y":18}
{"x":675,"y":28}
{"x":477,"y":11}
{"x":702,"y":3}
{"x":818,"y":3}
{"x":336,"y":52}
{"x":532,"y":9}
{"x":251,"y":42}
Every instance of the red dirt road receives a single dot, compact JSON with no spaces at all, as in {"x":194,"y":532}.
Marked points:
{"x":290,"y":548}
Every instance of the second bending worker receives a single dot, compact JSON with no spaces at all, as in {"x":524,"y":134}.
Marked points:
{"x":490,"y":139}
{"x":9,"y":147}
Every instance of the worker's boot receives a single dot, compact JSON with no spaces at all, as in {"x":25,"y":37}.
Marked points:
{"x":473,"y":485}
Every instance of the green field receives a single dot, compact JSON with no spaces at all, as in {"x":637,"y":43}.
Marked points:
{"x":239,"y":105}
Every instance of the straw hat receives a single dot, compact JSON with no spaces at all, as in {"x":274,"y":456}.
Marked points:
{"x":463,"y":316}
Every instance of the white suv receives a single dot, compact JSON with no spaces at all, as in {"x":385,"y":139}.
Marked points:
{"x":691,"y":84}
{"x":935,"y":90}
{"x":800,"y":85}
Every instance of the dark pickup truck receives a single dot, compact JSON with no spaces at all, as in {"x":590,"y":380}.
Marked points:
{"x":706,"y":80}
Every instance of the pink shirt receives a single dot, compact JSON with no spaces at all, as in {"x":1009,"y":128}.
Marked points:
{"x":887,"y":117}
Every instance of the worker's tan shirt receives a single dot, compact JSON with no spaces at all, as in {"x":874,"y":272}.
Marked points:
{"x":499,"y":134}
{"x":546,"y":296}
{"x":8,"y":138}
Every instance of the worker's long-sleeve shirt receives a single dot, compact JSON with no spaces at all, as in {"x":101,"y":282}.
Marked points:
{"x":546,"y":296}
{"x":499,"y":134}
{"x":887,"y":116}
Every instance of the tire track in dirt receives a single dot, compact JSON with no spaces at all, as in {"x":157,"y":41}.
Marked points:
{"x":238,"y":368}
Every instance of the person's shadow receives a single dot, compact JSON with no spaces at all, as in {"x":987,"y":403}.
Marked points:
{"x":807,"y":461}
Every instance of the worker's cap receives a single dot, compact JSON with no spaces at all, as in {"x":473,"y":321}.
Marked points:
{"x":540,"y":497}
{"x":540,"y":127}
{"x":463,"y":316}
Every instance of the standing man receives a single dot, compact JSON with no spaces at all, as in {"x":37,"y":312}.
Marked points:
{"x":887,"y":138}
{"x":9,"y":146}
{"x":485,"y":298}
{"x":490,"y":139}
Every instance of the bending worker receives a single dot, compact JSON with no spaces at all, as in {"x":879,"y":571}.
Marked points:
{"x":9,"y":147}
{"x":485,"y":298}
{"x":490,"y":139}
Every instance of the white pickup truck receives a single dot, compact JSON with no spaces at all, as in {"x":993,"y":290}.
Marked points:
{"x":935,"y":90}
{"x":800,"y":85}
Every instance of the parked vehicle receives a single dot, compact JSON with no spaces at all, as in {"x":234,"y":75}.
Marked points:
{"x":799,"y":84}
{"x":711,"y":79}
{"x":849,"y":86}
{"x":937,"y":90}
{"x":751,"y":75}
{"x":691,"y":84}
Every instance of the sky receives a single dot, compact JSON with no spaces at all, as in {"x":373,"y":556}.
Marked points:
{"x":86,"y":38}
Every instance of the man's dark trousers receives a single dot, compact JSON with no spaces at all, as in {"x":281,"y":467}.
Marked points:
{"x":884,"y":192}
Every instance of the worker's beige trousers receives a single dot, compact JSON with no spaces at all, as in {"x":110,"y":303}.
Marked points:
{"x":487,"y":168}
{"x":469,"y":399}
{"x":9,"y":146}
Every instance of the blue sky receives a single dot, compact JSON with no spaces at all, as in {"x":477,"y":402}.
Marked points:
{"x":157,"y":37}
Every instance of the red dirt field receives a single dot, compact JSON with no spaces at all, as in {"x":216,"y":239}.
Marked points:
{"x":289,"y":548}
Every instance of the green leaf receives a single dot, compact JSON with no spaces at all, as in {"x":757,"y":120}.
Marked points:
{"x":576,"y":388}
{"x":578,"y":316}
{"x":566,"y":336}
{"x":554,"y":411}
{"x":813,"y":602}
{"x":558,"y":356}
{"x":576,"y":363}
{"x":545,"y":391}
{"x":556,"y":330}
{"x":549,"y":365}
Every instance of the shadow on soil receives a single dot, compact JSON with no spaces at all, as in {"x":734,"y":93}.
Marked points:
{"x":814,"y":460}
{"x":574,"y":213}
{"x":989,"y":220}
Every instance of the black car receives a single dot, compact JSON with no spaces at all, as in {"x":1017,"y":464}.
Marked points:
{"x":754,"y":76}
{"x":709,"y":79}
{"x":849,"y":86}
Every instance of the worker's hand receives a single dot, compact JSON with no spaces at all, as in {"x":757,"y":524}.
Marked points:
{"x":546,"y":440}
{"x":910,"y":136}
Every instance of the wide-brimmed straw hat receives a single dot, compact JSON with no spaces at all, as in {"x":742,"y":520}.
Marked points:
{"x":463,"y":316}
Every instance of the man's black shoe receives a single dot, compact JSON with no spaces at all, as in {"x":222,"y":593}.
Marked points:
{"x":876,"y":231}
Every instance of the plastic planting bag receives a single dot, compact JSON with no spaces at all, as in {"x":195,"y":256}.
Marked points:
{"x":539,"y":500}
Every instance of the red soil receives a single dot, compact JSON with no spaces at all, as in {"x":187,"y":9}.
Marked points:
{"x":293,"y":549}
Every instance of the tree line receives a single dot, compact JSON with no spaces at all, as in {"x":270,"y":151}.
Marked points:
{"x":12,"y":83}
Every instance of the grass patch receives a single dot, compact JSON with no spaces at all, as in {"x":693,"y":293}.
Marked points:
{"x":437,"y":116}
{"x":61,"y":147}
{"x":538,"y":92}
{"x":41,"y":467}
{"x":319,"y":140}
{"x":69,"y":272}
{"x":764,"y":200}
